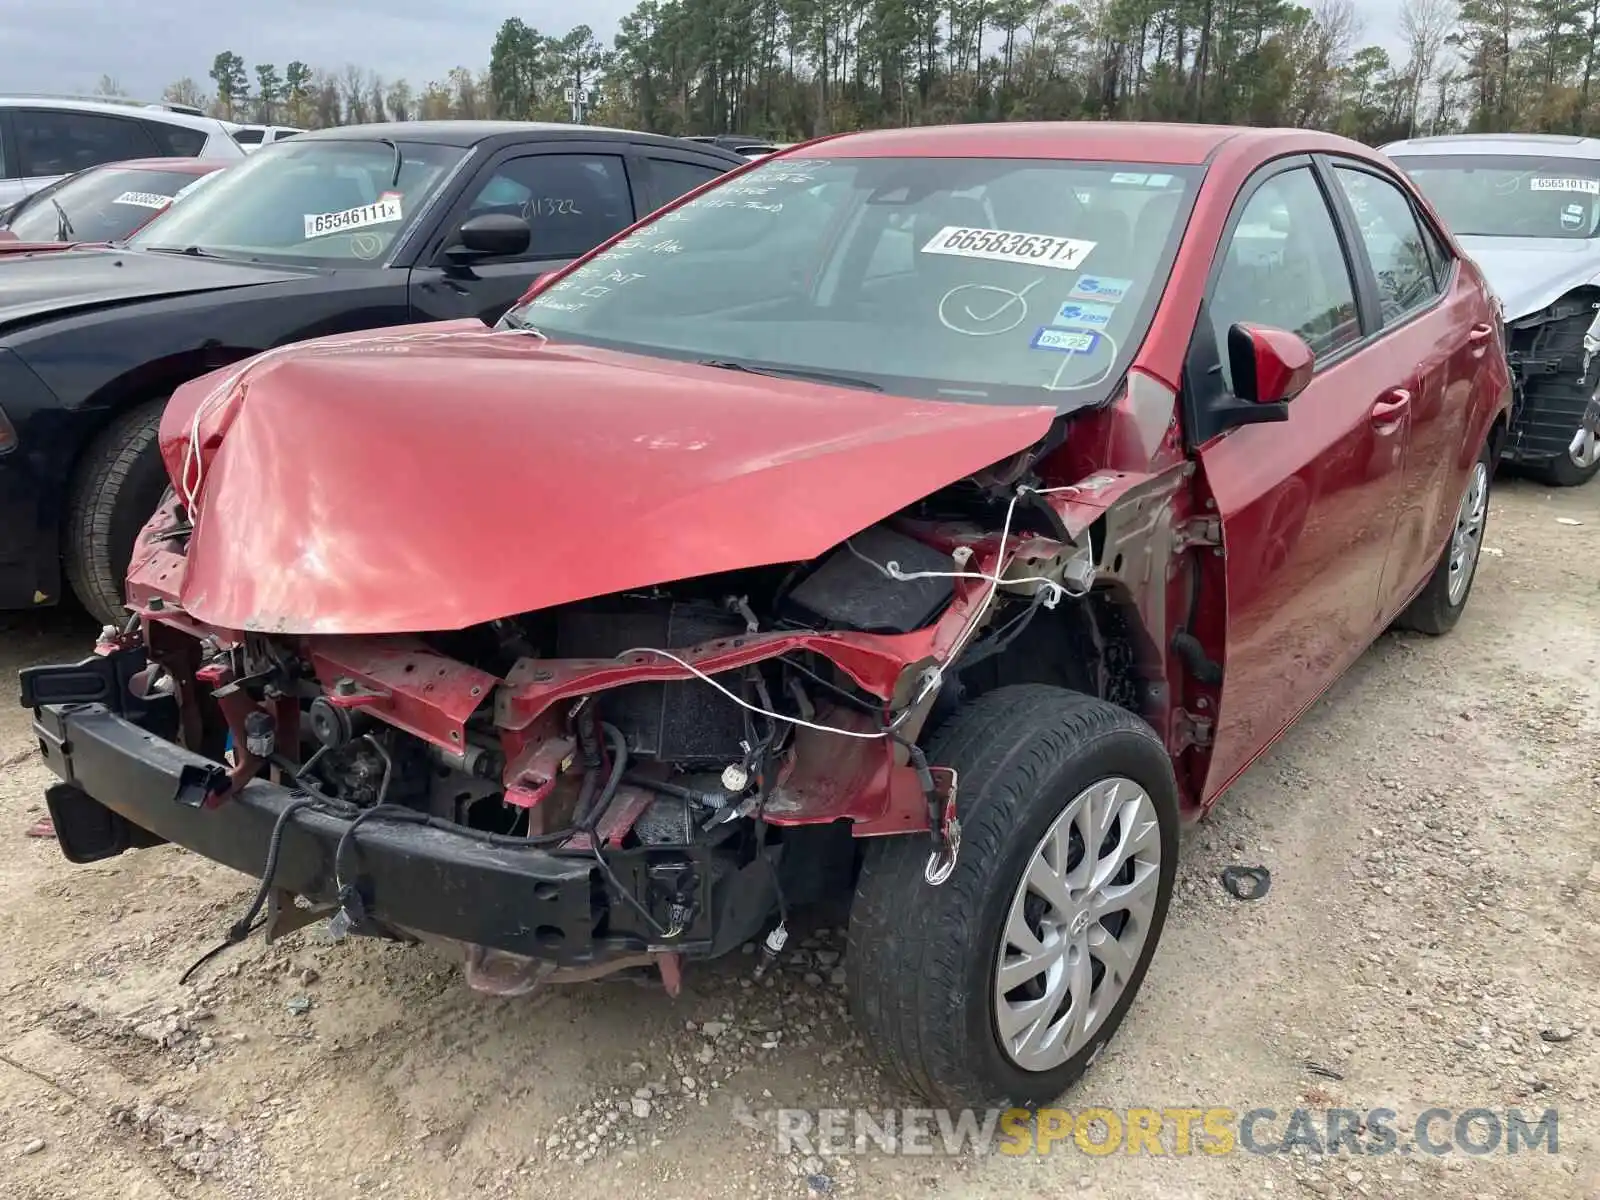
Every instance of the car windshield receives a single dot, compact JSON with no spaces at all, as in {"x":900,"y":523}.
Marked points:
{"x":310,"y":200}
{"x":1483,"y":195}
{"x":999,"y":281}
{"x":105,"y":204}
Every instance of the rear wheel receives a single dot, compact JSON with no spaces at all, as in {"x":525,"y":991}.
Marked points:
{"x":119,"y":485}
{"x":1440,"y":604}
{"x":1002,"y":985}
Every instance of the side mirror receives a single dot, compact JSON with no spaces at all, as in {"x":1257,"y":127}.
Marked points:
{"x":1269,"y":366}
{"x":491,"y":235}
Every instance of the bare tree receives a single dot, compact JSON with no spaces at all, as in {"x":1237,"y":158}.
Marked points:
{"x":185,"y":91}
{"x":1424,"y":24}
{"x":1341,"y":27}
{"x":354,"y":84}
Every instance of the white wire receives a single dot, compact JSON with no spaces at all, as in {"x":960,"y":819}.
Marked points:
{"x":757,"y":709}
{"x":891,"y":570}
{"x":936,"y":675}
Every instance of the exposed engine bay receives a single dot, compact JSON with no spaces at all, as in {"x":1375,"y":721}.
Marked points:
{"x":711,"y":747}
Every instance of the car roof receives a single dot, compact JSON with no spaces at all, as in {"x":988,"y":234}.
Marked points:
{"x":1107,"y":141}
{"x":1547,"y":145}
{"x":471,"y":133}
{"x":148,"y":112}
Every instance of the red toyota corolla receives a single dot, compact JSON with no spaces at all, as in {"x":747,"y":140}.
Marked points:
{"x":99,"y":204}
{"x":930,"y":519}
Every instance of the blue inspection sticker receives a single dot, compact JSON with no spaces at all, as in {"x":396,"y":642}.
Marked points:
{"x":1100,"y":287}
{"x":1079,"y":315}
{"x":1066,"y":341}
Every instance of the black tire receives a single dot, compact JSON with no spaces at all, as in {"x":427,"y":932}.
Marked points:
{"x":1432,"y":612}
{"x":1562,"y":472}
{"x":118,"y":485}
{"x":921,"y":960}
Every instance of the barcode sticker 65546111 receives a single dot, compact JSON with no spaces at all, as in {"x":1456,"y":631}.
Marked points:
{"x":385,"y":209}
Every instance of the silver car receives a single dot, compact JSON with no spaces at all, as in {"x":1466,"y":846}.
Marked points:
{"x":1526,"y":207}
{"x":44,"y":138}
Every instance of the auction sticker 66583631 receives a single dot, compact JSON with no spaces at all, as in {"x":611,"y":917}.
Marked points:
{"x":1001,"y":245}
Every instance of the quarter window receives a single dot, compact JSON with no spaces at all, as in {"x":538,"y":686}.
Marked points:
{"x":1285,"y":267}
{"x":176,"y":141}
{"x":1394,"y":242}
{"x":572,"y":202}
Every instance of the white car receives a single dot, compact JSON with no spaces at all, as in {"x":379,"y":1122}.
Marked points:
{"x":45,"y":138}
{"x":1526,"y":207}
{"x":253,"y":137}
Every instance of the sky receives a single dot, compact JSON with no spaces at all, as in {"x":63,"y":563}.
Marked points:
{"x":66,"y":45}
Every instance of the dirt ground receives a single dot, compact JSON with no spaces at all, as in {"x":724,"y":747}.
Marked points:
{"x":1429,"y":940}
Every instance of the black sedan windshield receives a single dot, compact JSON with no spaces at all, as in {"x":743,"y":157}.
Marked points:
{"x":1002,"y":281}
{"x":326,"y":201}
{"x":103,"y":204}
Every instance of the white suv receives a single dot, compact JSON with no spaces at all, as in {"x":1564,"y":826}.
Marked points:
{"x":253,"y":137}
{"x":43,"y":138}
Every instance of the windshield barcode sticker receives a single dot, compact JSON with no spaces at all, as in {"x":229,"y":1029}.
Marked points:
{"x":1589,"y":187}
{"x":386,"y":209}
{"x":1000,"y":245}
{"x":144,"y":199}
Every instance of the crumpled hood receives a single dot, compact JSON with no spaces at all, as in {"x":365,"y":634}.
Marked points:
{"x":439,"y":476}
{"x":1529,"y":274}
{"x":81,"y":277}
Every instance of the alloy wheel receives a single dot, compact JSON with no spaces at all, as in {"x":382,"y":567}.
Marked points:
{"x":1077,"y":924}
{"x":1468,"y":537}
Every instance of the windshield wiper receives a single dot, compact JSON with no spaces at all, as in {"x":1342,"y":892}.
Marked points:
{"x":64,"y":230}
{"x":728,"y":364}
{"x":191,"y":251}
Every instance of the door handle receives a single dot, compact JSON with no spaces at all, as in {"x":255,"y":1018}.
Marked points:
{"x":1390,"y":407}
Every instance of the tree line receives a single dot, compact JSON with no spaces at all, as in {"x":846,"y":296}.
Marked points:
{"x":789,"y":69}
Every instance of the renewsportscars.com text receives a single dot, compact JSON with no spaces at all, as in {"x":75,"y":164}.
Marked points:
{"x":1166,"y":1131}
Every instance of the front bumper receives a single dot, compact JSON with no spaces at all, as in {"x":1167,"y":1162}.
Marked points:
{"x":547,"y":905}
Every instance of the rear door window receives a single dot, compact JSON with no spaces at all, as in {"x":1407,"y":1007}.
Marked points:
{"x":61,"y":141}
{"x":1394,"y":242}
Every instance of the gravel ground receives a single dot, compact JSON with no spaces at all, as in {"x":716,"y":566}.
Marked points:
{"x":1428,"y":940}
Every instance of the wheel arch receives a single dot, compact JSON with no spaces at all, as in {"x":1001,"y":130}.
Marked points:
{"x":153,"y":380}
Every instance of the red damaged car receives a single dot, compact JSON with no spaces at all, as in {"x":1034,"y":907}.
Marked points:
{"x":100,"y":204}
{"x":937,"y":517}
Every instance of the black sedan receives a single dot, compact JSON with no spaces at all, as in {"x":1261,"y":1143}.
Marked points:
{"x":332,"y":231}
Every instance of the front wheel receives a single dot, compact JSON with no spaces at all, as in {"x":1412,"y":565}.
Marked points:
{"x":1000,"y":986}
{"x":1581,"y":462}
{"x":118,"y":486}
